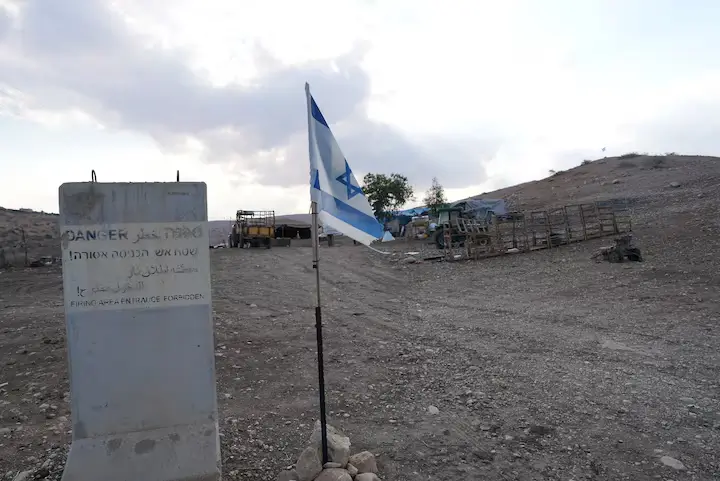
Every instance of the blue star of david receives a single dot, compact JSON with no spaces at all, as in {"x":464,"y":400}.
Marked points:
{"x":346,"y":180}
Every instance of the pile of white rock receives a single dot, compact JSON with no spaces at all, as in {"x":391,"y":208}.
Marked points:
{"x":340,"y":466}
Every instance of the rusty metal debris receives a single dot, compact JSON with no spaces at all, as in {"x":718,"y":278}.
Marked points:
{"x":622,"y":250}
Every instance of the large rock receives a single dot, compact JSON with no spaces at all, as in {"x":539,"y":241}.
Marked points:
{"x":309,"y":464}
{"x":334,"y":474}
{"x":672,"y":462}
{"x":367,"y":477}
{"x":338,"y":444}
{"x":364,"y":462}
{"x":25,"y":475}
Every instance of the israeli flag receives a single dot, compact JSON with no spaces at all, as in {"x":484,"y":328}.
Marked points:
{"x":341,"y":203}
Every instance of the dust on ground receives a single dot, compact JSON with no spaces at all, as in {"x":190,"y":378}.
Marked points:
{"x":543,"y":365}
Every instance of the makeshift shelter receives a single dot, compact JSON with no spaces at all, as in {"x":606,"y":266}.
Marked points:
{"x":414,"y":212}
{"x":293,"y":226}
{"x":399,"y":219}
{"x":481,"y":208}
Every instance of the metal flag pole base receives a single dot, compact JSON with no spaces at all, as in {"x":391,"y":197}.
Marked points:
{"x":318,"y":330}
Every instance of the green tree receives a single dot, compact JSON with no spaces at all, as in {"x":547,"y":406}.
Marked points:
{"x":387,"y":193}
{"x":435,"y":197}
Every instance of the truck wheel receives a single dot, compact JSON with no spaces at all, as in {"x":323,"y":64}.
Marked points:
{"x":615,"y":256}
{"x":440,"y":238}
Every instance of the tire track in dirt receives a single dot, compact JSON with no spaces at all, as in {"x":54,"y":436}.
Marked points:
{"x":400,"y":329}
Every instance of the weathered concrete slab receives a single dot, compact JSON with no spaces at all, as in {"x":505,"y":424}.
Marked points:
{"x":139,"y":326}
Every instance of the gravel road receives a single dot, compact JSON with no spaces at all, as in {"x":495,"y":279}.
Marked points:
{"x":541,"y":366}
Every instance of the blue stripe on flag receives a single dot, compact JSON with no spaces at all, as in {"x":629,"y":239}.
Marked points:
{"x":316,"y":179}
{"x":351,"y":215}
{"x":317,"y":115}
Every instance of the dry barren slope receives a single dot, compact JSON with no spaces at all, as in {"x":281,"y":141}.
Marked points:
{"x":640,"y":178}
{"x":643,"y":179}
{"x":40,"y":231}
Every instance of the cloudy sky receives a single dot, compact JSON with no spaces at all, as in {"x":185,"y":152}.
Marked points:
{"x":479,"y":93}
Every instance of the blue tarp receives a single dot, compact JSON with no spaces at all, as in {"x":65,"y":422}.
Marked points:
{"x":482,"y":208}
{"x":415,"y":211}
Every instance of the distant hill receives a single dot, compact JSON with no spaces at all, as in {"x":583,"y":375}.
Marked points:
{"x":40,"y":230}
{"x":674,"y":188}
{"x":633,"y":176}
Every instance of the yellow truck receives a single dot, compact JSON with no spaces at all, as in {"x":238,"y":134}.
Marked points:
{"x":253,"y":228}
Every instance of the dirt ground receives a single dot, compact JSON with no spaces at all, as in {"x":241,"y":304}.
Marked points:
{"x":543,"y":365}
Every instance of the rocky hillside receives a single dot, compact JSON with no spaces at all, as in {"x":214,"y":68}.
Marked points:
{"x":639,"y":178}
{"x":36,"y":230}
{"x":674,"y":200}
{"x":676,"y":192}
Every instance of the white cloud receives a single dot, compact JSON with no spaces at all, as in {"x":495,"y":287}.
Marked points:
{"x":478,"y":94}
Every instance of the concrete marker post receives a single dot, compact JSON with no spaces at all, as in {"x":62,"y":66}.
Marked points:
{"x":136,"y":278}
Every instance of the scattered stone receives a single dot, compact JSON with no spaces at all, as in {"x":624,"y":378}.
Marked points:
{"x":675,"y":184}
{"x":408,"y":260}
{"x":352,"y":470}
{"x":23,"y":476}
{"x":433,"y":410}
{"x":288,"y":475}
{"x":42,"y":473}
{"x":364,"y":462}
{"x":332,"y":465}
{"x":338,"y":444}
{"x":540,"y":430}
{"x":672,"y":462}
{"x":309,"y":464}
{"x":367,"y":477}
{"x":616,"y":181}
{"x":334,"y":474}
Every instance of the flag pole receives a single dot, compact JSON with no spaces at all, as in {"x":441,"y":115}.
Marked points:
{"x":318,"y":310}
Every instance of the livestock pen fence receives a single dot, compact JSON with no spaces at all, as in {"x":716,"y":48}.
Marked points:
{"x":541,"y":229}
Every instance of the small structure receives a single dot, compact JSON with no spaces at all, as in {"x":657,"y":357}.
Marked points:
{"x":298,"y":226}
{"x":403,"y":218}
